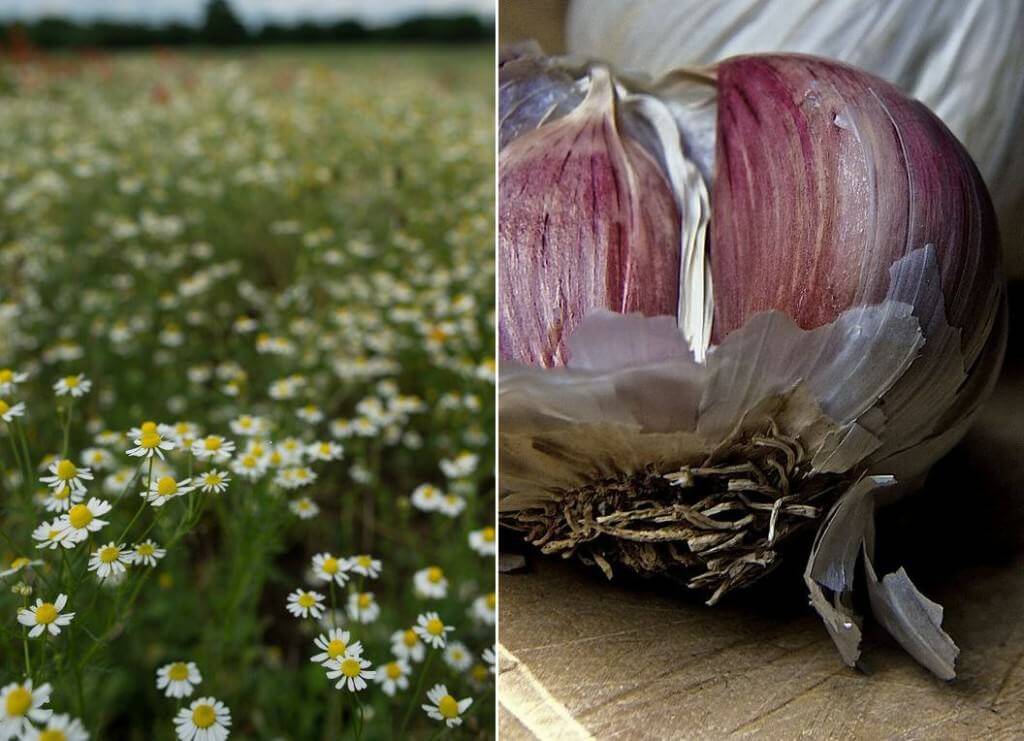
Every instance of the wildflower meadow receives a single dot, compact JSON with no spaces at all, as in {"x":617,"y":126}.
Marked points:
{"x":246,"y":395}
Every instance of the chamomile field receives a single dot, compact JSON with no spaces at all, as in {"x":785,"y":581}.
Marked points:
{"x":246,"y":395}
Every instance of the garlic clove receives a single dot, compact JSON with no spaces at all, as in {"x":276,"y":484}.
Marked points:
{"x":825,"y":176}
{"x":587,"y":221}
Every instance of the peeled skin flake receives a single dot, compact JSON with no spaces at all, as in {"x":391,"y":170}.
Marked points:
{"x":836,"y":317}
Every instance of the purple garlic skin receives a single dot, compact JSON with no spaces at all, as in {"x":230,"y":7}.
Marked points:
{"x":587,"y":221}
{"x":824,"y":177}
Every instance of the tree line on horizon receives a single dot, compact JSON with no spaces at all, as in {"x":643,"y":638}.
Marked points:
{"x":221,"y":27}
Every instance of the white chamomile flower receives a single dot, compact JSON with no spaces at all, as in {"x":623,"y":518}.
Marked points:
{"x":451,"y":505}
{"x":444,"y":707}
{"x":76,"y":386}
{"x":206,"y":719}
{"x":353,"y":672}
{"x":483,"y":608}
{"x":460,"y":466}
{"x":362,"y":607}
{"x":83,"y":519}
{"x":365,"y":565}
{"x":303,"y":604}
{"x":249,"y":466}
{"x":60,"y":727}
{"x":426,"y":498}
{"x":335,"y":645}
{"x":490,"y":660}
{"x":310,"y":413}
{"x":324,"y":451}
{"x":21,"y":706}
{"x":98,"y":459}
{"x":406,"y":644}
{"x":431,"y":583}
{"x":110,"y":560}
{"x":432,"y":630}
{"x":9,"y":379}
{"x":116,"y":483}
{"x":9,"y":411}
{"x":147,"y":553}
{"x":165,"y":488}
{"x":247,"y":425}
{"x":62,"y":499}
{"x":150,"y":443}
{"x":327,"y":568}
{"x":457,"y":656}
{"x":178,"y":679}
{"x":289,"y":451}
{"x":483,"y":541}
{"x":393,"y":676}
{"x":304,"y":507}
{"x":46,"y":617}
{"x":295,"y":478}
{"x":18,"y":564}
{"x":214,"y":448}
{"x":64,"y":473}
{"x":213,"y":481}
{"x":52,"y":534}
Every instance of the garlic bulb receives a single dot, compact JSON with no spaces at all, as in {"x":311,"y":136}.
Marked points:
{"x":838,"y":312}
{"x":962,"y":58}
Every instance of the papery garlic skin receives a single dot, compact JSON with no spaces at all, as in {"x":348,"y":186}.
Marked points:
{"x":587,"y":220}
{"x":962,"y":58}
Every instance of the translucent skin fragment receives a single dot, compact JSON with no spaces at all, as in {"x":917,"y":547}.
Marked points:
{"x":824,"y":177}
{"x":587,"y":221}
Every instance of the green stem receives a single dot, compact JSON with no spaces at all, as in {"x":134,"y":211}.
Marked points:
{"x":419,"y":690}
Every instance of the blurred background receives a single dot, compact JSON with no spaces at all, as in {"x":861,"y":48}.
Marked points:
{"x":109,"y":24}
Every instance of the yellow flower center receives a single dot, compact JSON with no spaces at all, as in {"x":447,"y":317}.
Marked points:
{"x":4,"y":407}
{"x":330,"y":565}
{"x":325,"y":448}
{"x":365,"y":600}
{"x":275,"y":458}
{"x":79,"y":516}
{"x":257,"y":449}
{"x":435,"y":627}
{"x":19,"y":563}
{"x":249,"y":461}
{"x":213,"y":479}
{"x":147,"y":427}
{"x":166,"y":486}
{"x":364,"y":561}
{"x":109,"y":554}
{"x":46,"y":613}
{"x":492,"y":600}
{"x":178,"y":672}
{"x":66,"y":470}
{"x":434,"y":575}
{"x":306,"y":600}
{"x":488,"y":534}
{"x":212,"y":443}
{"x":336,"y":648}
{"x":6,"y":375}
{"x":145,"y":549}
{"x":19,"y":700}
{"x":480,"y":672}
{"x":52,"y":734}
{"x":410,"y":638}
{"x":149,"y":440}
{"x":62,"y":493}
{"x":448,"y":706}
{"x":350,"y":668}
{"x":203,"y":716}
{"x":393,"y":670}
{"x":71,"y":382}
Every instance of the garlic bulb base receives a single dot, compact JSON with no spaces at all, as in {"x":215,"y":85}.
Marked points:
{"x":716,"y":526}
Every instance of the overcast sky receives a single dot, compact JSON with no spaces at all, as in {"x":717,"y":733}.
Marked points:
{"x":253,"y":12}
